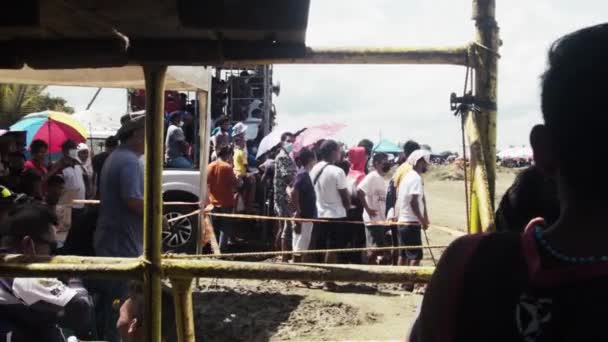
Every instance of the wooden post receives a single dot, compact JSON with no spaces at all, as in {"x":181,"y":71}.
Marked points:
{"x":153,"y":200}
{"x":204,"y":109}
{"x":486,"y":65}
{"x":182,"y":301}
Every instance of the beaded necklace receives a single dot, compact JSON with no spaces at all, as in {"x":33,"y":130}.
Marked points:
{"x":538,"y":234}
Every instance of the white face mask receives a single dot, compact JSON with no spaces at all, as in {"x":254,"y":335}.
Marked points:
{"x":73,"y":154}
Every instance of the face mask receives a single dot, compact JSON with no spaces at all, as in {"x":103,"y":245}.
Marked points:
{"x":73,"y":154}
{"x":288,"y":147}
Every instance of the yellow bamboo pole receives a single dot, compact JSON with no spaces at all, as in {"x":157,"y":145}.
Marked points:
{"x":482,"y":213}
{"x":153,"y":203}
{"x":486,"y":63}
{"x":205,"y":268}
{"x":184,"y":317}
{"x":14,"y":265}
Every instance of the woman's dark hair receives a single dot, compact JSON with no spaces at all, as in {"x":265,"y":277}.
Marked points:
{"x":530,"y":196}
{"x":30,"y":219}
{"x":328,"y":147}
{"x":68,"y":145}
{"x":37,"y":145}
{"x":378,"y":157}
{"x":225,"y":152}
{"x":286,"y":135}
{"x":409,"y":147}
{"x":574,"y":89}
{"x":306,"y":156}
{"x":368,"y":145}
{"x":344,"y":165}
{"x":111,"y":141}
{"x":27,"y":180}
{"x":222,"y":120}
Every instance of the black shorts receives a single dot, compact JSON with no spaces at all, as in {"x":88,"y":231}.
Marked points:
{"x":330,"y":235}
{"x":375,"y":236}
{"x":410,"y":236}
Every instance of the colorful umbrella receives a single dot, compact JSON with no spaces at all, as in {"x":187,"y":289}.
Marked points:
{"x":52,"y":127}
{"x":313,"y":134}
{"x":386,"y":146}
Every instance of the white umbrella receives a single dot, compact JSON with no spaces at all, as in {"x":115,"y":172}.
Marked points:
{"x":273,"y":139}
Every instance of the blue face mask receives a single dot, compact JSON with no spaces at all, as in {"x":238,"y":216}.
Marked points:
{"x":288,"y":147}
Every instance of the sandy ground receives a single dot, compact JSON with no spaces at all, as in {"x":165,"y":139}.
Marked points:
{"x":244,"y":310}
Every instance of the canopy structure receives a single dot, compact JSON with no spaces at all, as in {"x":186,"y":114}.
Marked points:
{"x":386,"y":146}
{"x":55,"y":34}
{"x":178,"y":77}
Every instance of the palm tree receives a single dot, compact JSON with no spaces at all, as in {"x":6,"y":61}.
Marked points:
{"x":17,"y":100}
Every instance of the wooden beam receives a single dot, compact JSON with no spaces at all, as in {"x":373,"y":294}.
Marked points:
{"x":187,"y":268}
{"x":60,"y":266}
{"x":42,"y":54}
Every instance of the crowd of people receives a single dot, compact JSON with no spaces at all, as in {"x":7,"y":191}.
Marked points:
{"x":332,"y":186}
{"x":38,"y":200}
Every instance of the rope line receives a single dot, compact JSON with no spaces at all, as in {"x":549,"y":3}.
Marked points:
{"x":312,"y":251}
{"x":196,"y":212}
{"x":260,"y":217}
{"x":298,"y":219}
{"x":164,"y":203}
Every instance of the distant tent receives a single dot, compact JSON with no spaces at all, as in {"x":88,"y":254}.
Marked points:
{"x":387,"y":147}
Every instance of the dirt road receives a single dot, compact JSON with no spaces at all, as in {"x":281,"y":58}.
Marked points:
{"x":230,"y":310}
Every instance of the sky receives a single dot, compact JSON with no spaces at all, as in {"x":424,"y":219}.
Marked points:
{"x":401,"y":102}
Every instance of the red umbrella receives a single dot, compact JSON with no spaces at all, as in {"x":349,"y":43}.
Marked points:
{"x":313,"y":134}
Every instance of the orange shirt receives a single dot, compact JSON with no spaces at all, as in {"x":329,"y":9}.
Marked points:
{"x":221,"y":182}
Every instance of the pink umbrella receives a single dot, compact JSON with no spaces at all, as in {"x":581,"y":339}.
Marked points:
{"x":313,"y":134}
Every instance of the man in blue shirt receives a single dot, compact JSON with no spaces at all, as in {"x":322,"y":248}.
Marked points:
{"x":119,"y":230}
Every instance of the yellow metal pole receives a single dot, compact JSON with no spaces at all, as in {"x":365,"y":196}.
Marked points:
{"x":486,"y":63}
{"x":182,"y":300}
{"x":153,"y":200}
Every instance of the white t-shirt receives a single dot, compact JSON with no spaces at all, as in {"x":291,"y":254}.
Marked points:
{"x":410,"y":185}
{"x":74,"y":183}
{"x":32,"y":290}
{"x":375,"y":187}
{"x":332,"y":179}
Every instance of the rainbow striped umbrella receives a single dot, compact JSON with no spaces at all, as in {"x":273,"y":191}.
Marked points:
{"x":52,"y":127}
